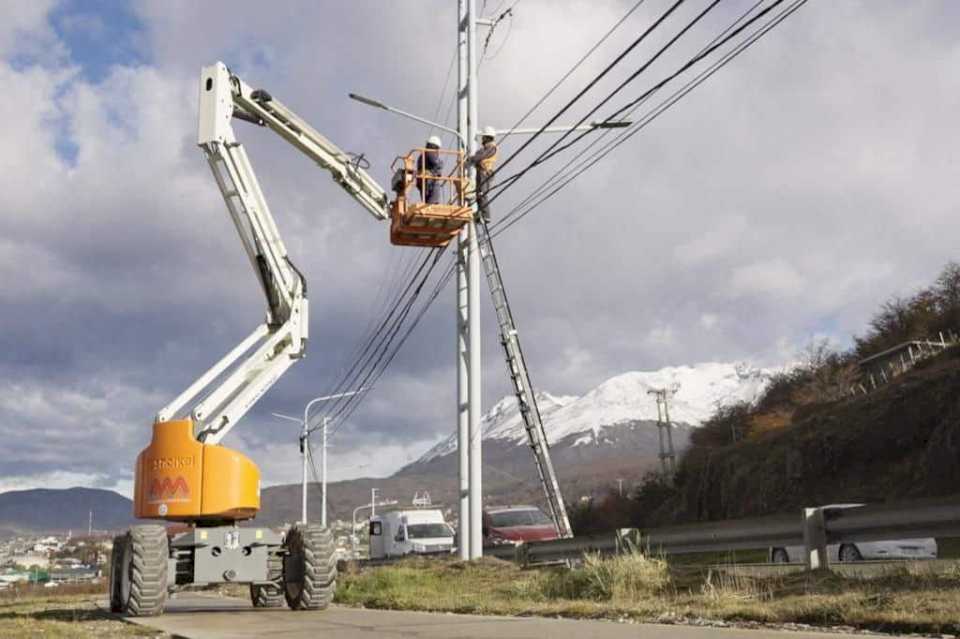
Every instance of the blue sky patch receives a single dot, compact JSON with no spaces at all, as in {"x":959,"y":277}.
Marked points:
{"x":100,"y":34}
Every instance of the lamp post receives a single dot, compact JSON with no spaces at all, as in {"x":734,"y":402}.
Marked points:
{"x":304,"y":449}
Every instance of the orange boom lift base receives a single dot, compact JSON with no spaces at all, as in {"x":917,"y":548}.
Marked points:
{"x":181,"y":479}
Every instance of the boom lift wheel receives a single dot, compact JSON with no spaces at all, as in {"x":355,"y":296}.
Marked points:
{"x":116,"y":604}
{"x":140,"y":585}
{"x":264,"y":596}
{"x":309,"y":567}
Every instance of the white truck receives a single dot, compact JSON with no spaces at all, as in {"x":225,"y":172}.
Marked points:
{"x":410,"y":532}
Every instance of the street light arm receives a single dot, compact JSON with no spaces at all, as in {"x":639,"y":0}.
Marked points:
{"x":380,"y":105}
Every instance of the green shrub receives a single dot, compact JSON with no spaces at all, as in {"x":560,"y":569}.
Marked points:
{"x":622,"y":578}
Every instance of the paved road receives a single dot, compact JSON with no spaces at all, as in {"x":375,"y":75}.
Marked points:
{"x":205,"y":617}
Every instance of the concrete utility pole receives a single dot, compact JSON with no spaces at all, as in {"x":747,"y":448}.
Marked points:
{"x":469,"y":407}
{"x":668,"y":457}
{"x":463,"y":304}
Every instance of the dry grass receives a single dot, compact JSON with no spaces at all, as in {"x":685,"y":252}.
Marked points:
{"x":41,"y":613}
{"x":642,"y":589}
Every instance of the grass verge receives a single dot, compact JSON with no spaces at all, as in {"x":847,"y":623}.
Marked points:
{"x":38,"y":612}
{"x":641,"y":589}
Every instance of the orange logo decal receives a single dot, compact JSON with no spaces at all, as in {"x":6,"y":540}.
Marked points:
{"x":167,"y":489}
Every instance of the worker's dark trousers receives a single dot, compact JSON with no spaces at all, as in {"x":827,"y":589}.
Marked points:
{"x":430,"y":191}
{"x":483,"y":198}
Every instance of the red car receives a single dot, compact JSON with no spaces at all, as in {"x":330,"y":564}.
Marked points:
{"x":515,"y":525}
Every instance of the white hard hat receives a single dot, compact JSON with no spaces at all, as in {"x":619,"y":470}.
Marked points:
{"x":434,"y":140}
{"x":488,"y":132}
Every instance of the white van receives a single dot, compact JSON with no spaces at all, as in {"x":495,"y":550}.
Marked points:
{"x":409,"y":532}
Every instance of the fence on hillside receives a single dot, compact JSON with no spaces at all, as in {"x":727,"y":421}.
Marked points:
{"x":882,"y":367}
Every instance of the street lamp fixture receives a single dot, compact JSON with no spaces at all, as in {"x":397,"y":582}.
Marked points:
{"x":304,"y":449}
{"x":376,"y":104}
{"x":598,"y":124}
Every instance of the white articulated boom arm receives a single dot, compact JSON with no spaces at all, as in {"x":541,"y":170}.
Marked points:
{"x":222,"y":395}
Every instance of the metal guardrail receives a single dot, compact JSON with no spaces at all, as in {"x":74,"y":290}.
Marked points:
{"x":884,"y":522}
{"x":814,"y":529}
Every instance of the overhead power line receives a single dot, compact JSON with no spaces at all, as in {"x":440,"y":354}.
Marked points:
{"x":620,"y":87}
{"x":377,"y":360}
{"x":384,"y":354}
{"x":656,"y":87}
{"x":600,"y":136}
{"x":498,"y":228}
{"x":571,"y":71}
{"x":381,"y":337}
{"x":628,"y":133}
{"x":643,"y":36}
{"x":428,"y":302}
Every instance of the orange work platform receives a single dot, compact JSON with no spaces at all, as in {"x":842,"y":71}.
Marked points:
{"x":427,"y":223}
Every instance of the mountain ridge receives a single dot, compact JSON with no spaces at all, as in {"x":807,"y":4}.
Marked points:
{"x":597,"y":439}
{"x":698,"y":391}
{"x":39,"y":510}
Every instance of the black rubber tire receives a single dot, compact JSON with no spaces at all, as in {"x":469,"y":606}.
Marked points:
{"x":269,"y":596}
{"x":309,"y":567}
{"x":116,"y":555}
{"x":143,"y":565}
{"x":852,"y":553}
{"x":780,"y":556}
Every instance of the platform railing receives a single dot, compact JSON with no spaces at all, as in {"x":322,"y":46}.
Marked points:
{"x":452,"y":184}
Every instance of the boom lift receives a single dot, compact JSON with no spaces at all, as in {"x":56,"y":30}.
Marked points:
{"x":185,"y":475}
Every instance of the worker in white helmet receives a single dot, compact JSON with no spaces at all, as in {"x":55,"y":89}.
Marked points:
{"x":429,"y":167}
{"x":485,"y":159}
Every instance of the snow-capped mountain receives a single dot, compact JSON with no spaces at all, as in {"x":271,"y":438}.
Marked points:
{"x":698,"y":391}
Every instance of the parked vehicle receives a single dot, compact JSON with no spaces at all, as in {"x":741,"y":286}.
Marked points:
{"x":410,"y":532}
{"x":925,"y":548}
{"x":515,"y":525}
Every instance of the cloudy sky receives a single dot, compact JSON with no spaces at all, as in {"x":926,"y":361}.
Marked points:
{"x":784,"y":199}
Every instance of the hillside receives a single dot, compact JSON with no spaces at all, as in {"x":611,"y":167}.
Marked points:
{"x":699,"y":390}
{"x":876,"y":422}
{"x":55,"y":510}
{"x":900,"y":441}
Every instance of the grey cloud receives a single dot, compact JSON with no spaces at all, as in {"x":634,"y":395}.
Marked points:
{"x":821,"y":153}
